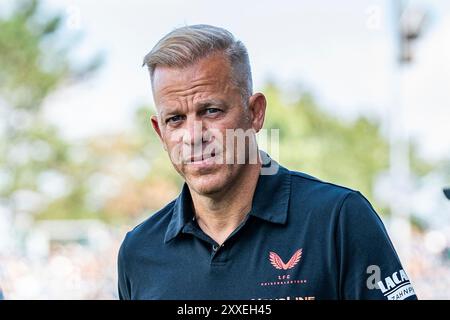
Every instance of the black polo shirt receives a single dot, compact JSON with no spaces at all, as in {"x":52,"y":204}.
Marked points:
{"x":303,"y":239}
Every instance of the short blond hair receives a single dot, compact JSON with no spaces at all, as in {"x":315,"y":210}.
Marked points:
{"x":186,"y":45}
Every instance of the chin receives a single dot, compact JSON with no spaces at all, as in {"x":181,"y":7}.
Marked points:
{"x":207,"y":184}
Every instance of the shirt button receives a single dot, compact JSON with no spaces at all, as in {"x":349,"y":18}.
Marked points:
{"x":215,"y":247}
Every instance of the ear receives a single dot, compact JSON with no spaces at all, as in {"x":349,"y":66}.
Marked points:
{"x":257,"y":109}
{"x":155,"y":125}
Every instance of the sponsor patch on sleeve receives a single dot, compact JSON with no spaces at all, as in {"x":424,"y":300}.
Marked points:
{"x":397,"y":286}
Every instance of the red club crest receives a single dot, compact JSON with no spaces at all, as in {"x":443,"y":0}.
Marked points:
{"x":276,"y":261}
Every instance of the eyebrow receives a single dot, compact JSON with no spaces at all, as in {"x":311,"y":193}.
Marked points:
{"x":210,"y":102}
{"x":198,"y":106}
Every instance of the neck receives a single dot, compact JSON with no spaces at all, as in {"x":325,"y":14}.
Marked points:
{"x":219,"y":215}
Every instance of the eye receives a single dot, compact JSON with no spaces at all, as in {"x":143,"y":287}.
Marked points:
{"x":212,"y":110}
{"x":174,"y":119}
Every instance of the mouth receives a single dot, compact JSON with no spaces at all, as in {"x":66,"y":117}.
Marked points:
{"x":201,"y":158}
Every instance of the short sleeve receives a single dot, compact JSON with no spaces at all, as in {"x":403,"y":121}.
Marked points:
{"x":369,"y":267}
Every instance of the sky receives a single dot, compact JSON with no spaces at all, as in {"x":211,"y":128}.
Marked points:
{"x":343,"y":52}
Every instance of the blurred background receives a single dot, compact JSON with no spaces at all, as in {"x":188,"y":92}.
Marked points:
{"x":359,"y":89}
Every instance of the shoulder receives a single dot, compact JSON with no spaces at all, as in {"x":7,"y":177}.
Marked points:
{"x":330,"y":200}
{"x":149,"y":232}
{"x":342,"y":208}
{"x":309,"y":189}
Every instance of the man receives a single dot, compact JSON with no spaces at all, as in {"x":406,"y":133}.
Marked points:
{"x":237,"y":230}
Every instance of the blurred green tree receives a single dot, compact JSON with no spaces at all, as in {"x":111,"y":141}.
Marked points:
{"x":317,"y":143}
{"x":348,"y":153}
{"x":34,"y":63}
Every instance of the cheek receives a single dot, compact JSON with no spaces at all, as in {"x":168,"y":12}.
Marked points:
{"x":231,"y":121}
{"x":172,"y":141}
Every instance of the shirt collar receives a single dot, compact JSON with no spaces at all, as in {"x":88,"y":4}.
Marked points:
{"x":270,"y":200}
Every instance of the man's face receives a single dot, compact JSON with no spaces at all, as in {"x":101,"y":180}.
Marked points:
{"x":196,"y":105}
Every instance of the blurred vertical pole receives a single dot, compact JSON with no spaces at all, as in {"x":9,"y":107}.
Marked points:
{"x":398,"y":148}
{"x":408,"y":25}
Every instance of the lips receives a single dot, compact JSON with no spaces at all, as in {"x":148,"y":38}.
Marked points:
{"x":201,"y":158}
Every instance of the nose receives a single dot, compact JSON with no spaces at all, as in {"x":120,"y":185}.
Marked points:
{"x":193,"y":135}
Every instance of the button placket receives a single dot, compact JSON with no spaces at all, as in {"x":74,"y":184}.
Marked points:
{"x":219,"y":256}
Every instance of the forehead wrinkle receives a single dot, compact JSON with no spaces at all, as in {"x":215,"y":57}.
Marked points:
{"x":189,"y":89}
{"x":197,"y":89}
{"x":181,"y":103}
{"x":182,"y":88}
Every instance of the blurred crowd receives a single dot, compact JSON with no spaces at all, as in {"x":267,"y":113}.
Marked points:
{"x":429,"y":269}
{"x":70,"y":271}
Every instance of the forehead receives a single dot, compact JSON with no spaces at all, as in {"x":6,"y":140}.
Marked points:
{"x":210,"y":74}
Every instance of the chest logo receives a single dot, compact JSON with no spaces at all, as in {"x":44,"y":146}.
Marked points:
{"x":276,"y":261}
